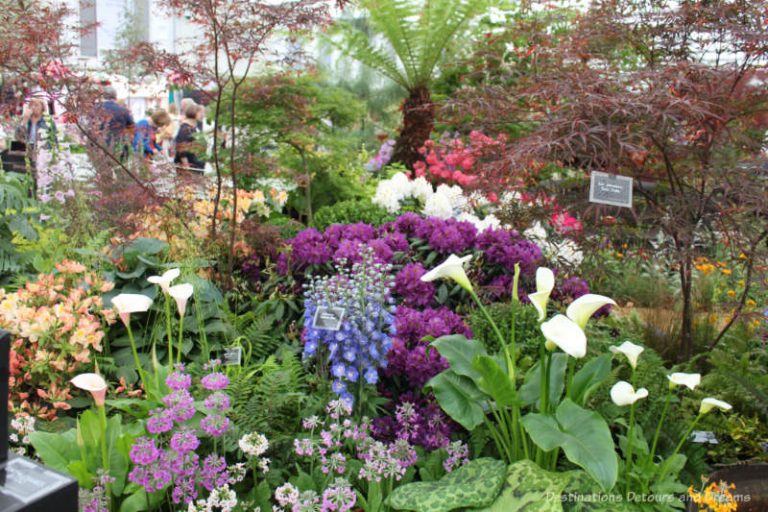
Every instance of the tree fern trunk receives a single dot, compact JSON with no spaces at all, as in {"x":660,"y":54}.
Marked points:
{"x":418,"y":121}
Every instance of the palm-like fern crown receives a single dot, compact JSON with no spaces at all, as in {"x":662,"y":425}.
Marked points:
{"x":417,"y":35}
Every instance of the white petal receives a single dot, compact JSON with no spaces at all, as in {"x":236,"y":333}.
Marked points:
{"x":622,"y":393}
{"x":689,"y":380}
{"x":582,"y":309}
{"x":131,"y":303}
{"x":565,"y":334}
{"x":709,"y":403}
{"x":545,"y":280}
{"x":630,"y":350}
{"x":89,"y":382}
{"x":452,"y":268}
{"x":181,"y":293}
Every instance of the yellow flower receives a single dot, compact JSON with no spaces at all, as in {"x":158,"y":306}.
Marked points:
{"x":742,"y":256}
{"x":726,"y":271}
{"x":731,"y":293}
{"x":751,"y":303}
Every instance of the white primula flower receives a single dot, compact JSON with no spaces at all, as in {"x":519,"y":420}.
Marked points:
{"x":438,"y":205}
{"x":452,"y":268}
{"x":689,"y":380}
{"x":582,"y":309}
{"x":560,"y":331}
{"x":710,"y":403}
{"x":630,"y":350}
{"x":545,"y":283}
{"x":622,"y":394}
{"x":253,"y":444}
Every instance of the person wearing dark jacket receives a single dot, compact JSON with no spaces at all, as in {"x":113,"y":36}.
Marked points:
{"x":145,"y":140}
{"x":187,"y":145}
{"x":115,"y":123}
{"x":33,"y":124}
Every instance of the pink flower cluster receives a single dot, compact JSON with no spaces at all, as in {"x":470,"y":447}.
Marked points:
{"x":57,"y":322}
{"x":452,"y":160}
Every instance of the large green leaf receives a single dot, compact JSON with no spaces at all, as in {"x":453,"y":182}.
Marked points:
{"x":459,"y":398}
{"x":495,"y":382}
{"x":473,"y":485}
{"x":583,"y":435}
{"x":56,"y":450}
{"x":460,"y":353}
{"x":529,"y":487}
{"x":589,"y":377}
{"x":530,"y":391}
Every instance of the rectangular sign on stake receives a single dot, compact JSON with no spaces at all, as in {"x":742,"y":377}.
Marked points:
{"x":233,"y":356}
{"x":328,"y":318}
{"x":610,"y":189}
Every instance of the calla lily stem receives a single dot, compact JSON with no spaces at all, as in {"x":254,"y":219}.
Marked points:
{"x":168,"y":329}
{"x":630,"y":434}
{"x":652,"y":453}
{"x":136,"y":359}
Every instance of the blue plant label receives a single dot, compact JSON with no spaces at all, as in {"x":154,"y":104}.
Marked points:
{"x":233,"y":356}
{"x":328,"y":318}
{"x":610,"y":189}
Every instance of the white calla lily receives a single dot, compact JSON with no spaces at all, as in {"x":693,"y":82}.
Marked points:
{"x":94,"y":384}
{"x":689,"y":380}
{"x":452,"y":268}
{"x":564,"y":333}
{"x":181,"y":294}
{"x":582,"y":309}
{"x":127,"y":303}
{"x":164,"y":281}
{"x":710,"y":403}
{"x":630,"y":350}
{"x":623,"y":394}
{"x":545,"y":282}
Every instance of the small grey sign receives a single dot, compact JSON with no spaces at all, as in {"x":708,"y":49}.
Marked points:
{"x":703,"y":437}
{"x":328,"y":318}
{"x":233,"y":356}
{"x":27,"y":481}
{"x":610,"y":189}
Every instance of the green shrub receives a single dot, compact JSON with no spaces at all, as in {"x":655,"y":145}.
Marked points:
{"x":351,"y":211}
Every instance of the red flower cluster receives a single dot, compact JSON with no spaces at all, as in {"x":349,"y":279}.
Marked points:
{"x":452,"y":160}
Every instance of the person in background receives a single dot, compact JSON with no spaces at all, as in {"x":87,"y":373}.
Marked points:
{"x":187,"y":147}
{"x":146,"y":140}
{"x":33,"y":123}
{"x":116,"y":122}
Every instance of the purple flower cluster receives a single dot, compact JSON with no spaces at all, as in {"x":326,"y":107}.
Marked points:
{"x":408,"y":285}
{"x":506,"y":248}
{"x":409,"y":357}
{"x":418,"y":420}
{"x":96,"y":499}
{"x":381,"y":158}
{"x":169,"y":457}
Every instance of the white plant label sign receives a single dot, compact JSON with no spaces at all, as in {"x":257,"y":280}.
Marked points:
{"x":328,"y":318}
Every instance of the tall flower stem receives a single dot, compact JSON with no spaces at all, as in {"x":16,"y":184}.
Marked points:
{"x":569,"y":379}
{"x":104,"y":449}
{"x":181,"y":337}
{"x":630,"y":435}
{"x":168,"y":330}
{"x":664,"y":410}
{"x":686,"y":435}
{"x":136,"y":359}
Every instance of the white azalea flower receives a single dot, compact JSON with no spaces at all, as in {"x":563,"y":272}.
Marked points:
{"x":630,"y":350}
{"x":421,"y":189}
{"x":536,"y":233}
{"x":452,"y":268}
{"x":710,"y":403}
{"x":582,"y":309}
{"x":689,"y":380}
{"x":165,"y":280}
{"x":566,"y":334}
{"x":622,"y":394}
{"x":387,"y":198}
{"x":545,"y":283}
{"x":181,"y":294}
{"x":127,"y":303}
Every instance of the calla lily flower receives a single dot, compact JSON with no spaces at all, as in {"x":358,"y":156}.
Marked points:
{"x":710,"y":403}
{"x":689,"y":380}
{"x":582,"y":309}
{"x":127,"y":303}
{"x":545,"y":282}
{"x":564,"y":333}
{"x":622,"y":394}
{"x":630,"y":350}
{"x":181,"y":293}
{"x":165,"y":280}
{"x":94,"y":384}
{"x":452,"y":268}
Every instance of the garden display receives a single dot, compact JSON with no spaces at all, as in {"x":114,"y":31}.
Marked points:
{"x":439,"y":256}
